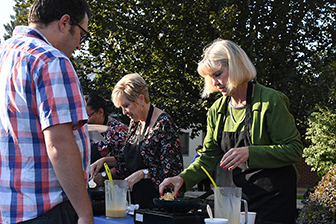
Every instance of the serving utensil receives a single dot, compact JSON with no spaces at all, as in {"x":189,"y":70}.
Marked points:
{"x":209,"y":212}
{"x":109,"y":175}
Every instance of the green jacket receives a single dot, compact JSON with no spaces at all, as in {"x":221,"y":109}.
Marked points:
{"x":275,"y":138}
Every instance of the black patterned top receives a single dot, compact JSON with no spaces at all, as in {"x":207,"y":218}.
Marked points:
{"x":160,"y":150}
{"x":115,"y":137}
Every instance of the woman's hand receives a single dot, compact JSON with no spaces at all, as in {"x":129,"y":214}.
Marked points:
{"x":134,"y":178}
{"x":175,"y":182}
{"x":96,"y":166}
{"x":99,"y":179}
{"x":234,"y":157}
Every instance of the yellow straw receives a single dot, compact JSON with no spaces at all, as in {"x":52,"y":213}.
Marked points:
{"x":206,"y":172}
{"x":108,"y":173}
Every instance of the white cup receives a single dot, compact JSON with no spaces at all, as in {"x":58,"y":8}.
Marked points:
{"x":250,"y":219}
{"x":216,"y":221}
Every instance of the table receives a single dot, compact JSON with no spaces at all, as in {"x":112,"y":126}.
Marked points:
{"x":102,"y":220}
{"x":195,"y":194}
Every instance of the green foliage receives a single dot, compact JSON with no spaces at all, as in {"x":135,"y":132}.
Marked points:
{"x":321,"y":205}
{"x":21,"y":10}
{"x":290,"y":42}
{"x":321,"y":153}
{"x":163,"y":41}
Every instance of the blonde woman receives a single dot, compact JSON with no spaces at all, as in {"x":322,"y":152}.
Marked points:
{"x":251,"y":137}
{"x":152,"y":149}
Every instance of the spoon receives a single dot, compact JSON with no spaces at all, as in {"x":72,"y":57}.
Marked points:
{"x":209,"y":212}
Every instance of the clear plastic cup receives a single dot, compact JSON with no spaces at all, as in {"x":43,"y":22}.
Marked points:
{"x":250,"y":219}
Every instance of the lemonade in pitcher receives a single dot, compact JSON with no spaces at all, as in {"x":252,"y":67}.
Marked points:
{"x":115,"y":198}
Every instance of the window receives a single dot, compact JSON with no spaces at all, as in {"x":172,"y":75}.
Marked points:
{"x":184,"y":140}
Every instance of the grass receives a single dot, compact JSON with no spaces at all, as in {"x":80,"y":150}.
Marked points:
{"x":299,"y":197}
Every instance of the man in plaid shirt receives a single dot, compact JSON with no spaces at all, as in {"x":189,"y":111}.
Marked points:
{"x":44,"y":143}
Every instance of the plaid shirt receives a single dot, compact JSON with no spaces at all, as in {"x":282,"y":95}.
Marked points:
{"x":38,"y":88}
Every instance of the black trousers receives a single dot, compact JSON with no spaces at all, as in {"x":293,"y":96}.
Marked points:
{"x":62,"y":213}
{"x":204,"y":185}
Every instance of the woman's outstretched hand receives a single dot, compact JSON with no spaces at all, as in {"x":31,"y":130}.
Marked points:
{"x":175,"y":182}
{"x":96,"y":166}
{"x":134,"y":178}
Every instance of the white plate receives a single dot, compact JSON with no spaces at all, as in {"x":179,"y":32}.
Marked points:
{"x":97,"y":127}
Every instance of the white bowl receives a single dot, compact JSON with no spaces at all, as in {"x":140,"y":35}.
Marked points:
{"x":216,"y":221}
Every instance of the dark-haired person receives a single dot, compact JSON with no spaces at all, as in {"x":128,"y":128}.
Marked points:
{"x":44,"y":141}
{"x":115,"y":136}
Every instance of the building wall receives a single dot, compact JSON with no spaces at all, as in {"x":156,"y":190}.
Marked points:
{"x":308,"y":178}
{"x":193,"y":143}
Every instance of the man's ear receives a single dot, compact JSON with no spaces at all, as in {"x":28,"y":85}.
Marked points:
{"x":64,"y":23}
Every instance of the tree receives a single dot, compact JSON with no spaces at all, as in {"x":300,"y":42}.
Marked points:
{"x":321,"y":204}
{"x":290,"y":42}
{"x":162,"y":41}
{"x":321,"y":153}
{"x":21,"y":10}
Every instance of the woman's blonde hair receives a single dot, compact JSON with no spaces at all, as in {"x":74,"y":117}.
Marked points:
{"x":130,"y":87}
{"x":225,"y":52}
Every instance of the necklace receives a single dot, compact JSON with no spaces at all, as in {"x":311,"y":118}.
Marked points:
{"x":233,"y":120}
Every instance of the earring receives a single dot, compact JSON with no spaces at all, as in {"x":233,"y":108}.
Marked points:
{"x":101,"y":117}
{"x":142,"y":108}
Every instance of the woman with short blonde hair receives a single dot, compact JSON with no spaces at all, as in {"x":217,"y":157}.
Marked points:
{"x":225,"y":52}
{"x":252,"y":141}
{"x":130,"y":87}
{"x":152,"y":150}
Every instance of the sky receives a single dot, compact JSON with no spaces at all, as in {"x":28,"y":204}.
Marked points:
{"x":6,"y":9}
